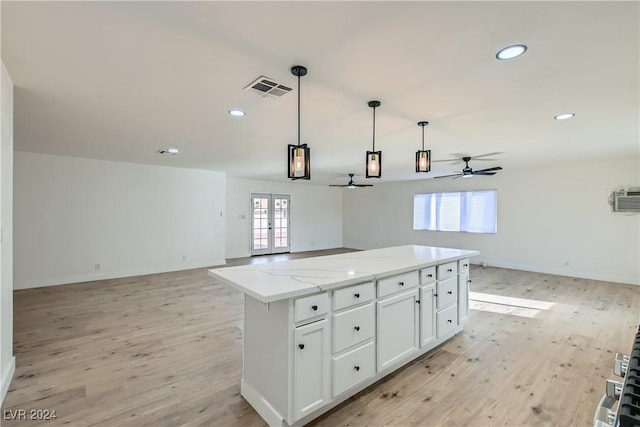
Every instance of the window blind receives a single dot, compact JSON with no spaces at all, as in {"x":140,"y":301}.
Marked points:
{"x":465,"y":211}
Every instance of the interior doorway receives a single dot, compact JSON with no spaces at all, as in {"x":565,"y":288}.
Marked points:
{"x":270,"y":223}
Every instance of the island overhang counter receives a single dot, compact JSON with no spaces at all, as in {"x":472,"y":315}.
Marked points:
{"x":318,"y":330}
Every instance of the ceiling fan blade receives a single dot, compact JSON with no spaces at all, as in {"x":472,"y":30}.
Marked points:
{"x":337,"y":185}
{"x":483,"y":173}
{"x":447,"y":176}
{"x":448,"y":160}
{"x":363,"y":185}
{"x":485,"y":155}
{"x":497,"y":168}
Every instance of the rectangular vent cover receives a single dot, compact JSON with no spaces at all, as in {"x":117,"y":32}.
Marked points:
{"x":626,"y":200}
{"x":267,"y":87}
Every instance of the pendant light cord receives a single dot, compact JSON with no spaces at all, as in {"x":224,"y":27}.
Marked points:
{"x":374,"y":128}
{"x":422,"y":138}
{"x":298,"y":111}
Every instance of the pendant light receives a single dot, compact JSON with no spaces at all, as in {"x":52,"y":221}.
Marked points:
{"x":299,"y":163}
{"x":374,"y":158}
{"x":423,"y":157}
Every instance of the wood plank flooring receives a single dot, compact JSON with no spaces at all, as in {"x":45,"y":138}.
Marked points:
{"x":166,"y":350}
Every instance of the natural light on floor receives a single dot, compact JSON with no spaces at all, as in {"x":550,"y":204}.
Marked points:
{"x":507,"y":305}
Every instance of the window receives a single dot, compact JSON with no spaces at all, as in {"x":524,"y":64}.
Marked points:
{"x":467,"y":211}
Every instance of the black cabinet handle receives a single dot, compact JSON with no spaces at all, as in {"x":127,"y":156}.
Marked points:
{"x":466,"y":265}
{"x":356,"y":295}
{"x":435,"y":295}
{"x":357,"y":328}
{"x":314,"y":307}
{"x":357,"y":368}
{"x":301,"y":346}
{"x":449,"y":321}
{"x":401,"y":283}
{"x":449,"y":270}
{"x":469,"y":281}
{"x":429,"y":275}
{"x":450,"y":292}
{"x":418,"y":301}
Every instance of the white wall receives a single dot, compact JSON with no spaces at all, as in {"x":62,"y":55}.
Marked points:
{"x":7,"y":360}
{"x":546,"y":216}
{"x":72,"y":213}
{"x":316,"y":214}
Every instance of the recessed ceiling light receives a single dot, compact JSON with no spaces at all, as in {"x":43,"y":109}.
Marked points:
{"x":511,"y":52}
{"x":237,"y":113}
{"x":172,"y":151}
{"x":564,"y":116}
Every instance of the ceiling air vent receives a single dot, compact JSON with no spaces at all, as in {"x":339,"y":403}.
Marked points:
{"x":267,"y":87}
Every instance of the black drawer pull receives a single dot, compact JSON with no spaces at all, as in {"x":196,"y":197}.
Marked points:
{"x":357,"y":328}
{"x":469,"y":281}
{"x":314,"y":307}
{"x":449,"y":321}
{"x":301,"y":346}
{"x":429,"y":275}
{"x":435,"y":295}
{"x":417,"y":301}
{"x":450,"y":292}
{"x":401,"y":283}
{"x":465,"y":265}
{"x":449,"y":270}
{"x":356,"y":295}
{"x":357,"y":368}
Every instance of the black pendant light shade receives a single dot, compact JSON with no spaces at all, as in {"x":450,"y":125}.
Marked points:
{"x":374,"y":158}
{"x":423,"y":157}
{"x":299,"y":162}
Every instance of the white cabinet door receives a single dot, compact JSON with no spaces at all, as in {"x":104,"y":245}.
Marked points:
{"x":463,"y":297}
{"x":397,"y":328}
{"x":312,"y":359}
{"x":427,"y":315}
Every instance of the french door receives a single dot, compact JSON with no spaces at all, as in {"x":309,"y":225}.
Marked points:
{"x":270,"y":223}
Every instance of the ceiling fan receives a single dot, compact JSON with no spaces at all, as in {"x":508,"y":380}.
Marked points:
{"x":467,"y":172}
{"x":351,"y":184}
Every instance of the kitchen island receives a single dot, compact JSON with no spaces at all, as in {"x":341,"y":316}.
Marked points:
{"x":319,"y":330}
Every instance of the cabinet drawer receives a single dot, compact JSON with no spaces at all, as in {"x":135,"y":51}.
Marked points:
{"x":446,"y":320}
{"x":311,"y":306}
{"x":447,"y":270}
{"x":463,"y":265}
{"x":352,"y":368}
{"x":401,"y":282}
{"x":353,"y":295}
{"x":447,"y":291}
{"x":428,"y":275}
{"x":353,"y":327}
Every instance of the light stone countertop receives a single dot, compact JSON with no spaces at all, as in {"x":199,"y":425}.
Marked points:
{"x":286,"y":279}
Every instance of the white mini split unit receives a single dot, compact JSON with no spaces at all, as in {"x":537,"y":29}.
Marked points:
{"x":627,"y":200}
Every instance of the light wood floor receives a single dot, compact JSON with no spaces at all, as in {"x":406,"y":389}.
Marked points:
{"x":165,"y":350}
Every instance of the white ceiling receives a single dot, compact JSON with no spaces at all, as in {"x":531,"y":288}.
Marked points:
{"x":120,"y":80}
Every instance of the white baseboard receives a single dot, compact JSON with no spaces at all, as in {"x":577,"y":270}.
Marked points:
{"x":563,"y":272}
{"x":63,"y":280}
{"x":6,"y":378}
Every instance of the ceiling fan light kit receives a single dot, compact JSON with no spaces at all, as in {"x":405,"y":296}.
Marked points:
{"x":423,"y":157}
{"x":299,"y":156}
{"x":374,"y":158}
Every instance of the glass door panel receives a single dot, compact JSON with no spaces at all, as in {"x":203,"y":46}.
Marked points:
{"x":269,"y":223}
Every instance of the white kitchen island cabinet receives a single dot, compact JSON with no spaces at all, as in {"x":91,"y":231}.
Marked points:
{"x":319,"y":330}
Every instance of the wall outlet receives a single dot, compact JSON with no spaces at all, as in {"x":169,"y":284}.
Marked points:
{"x":96,"y":267}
